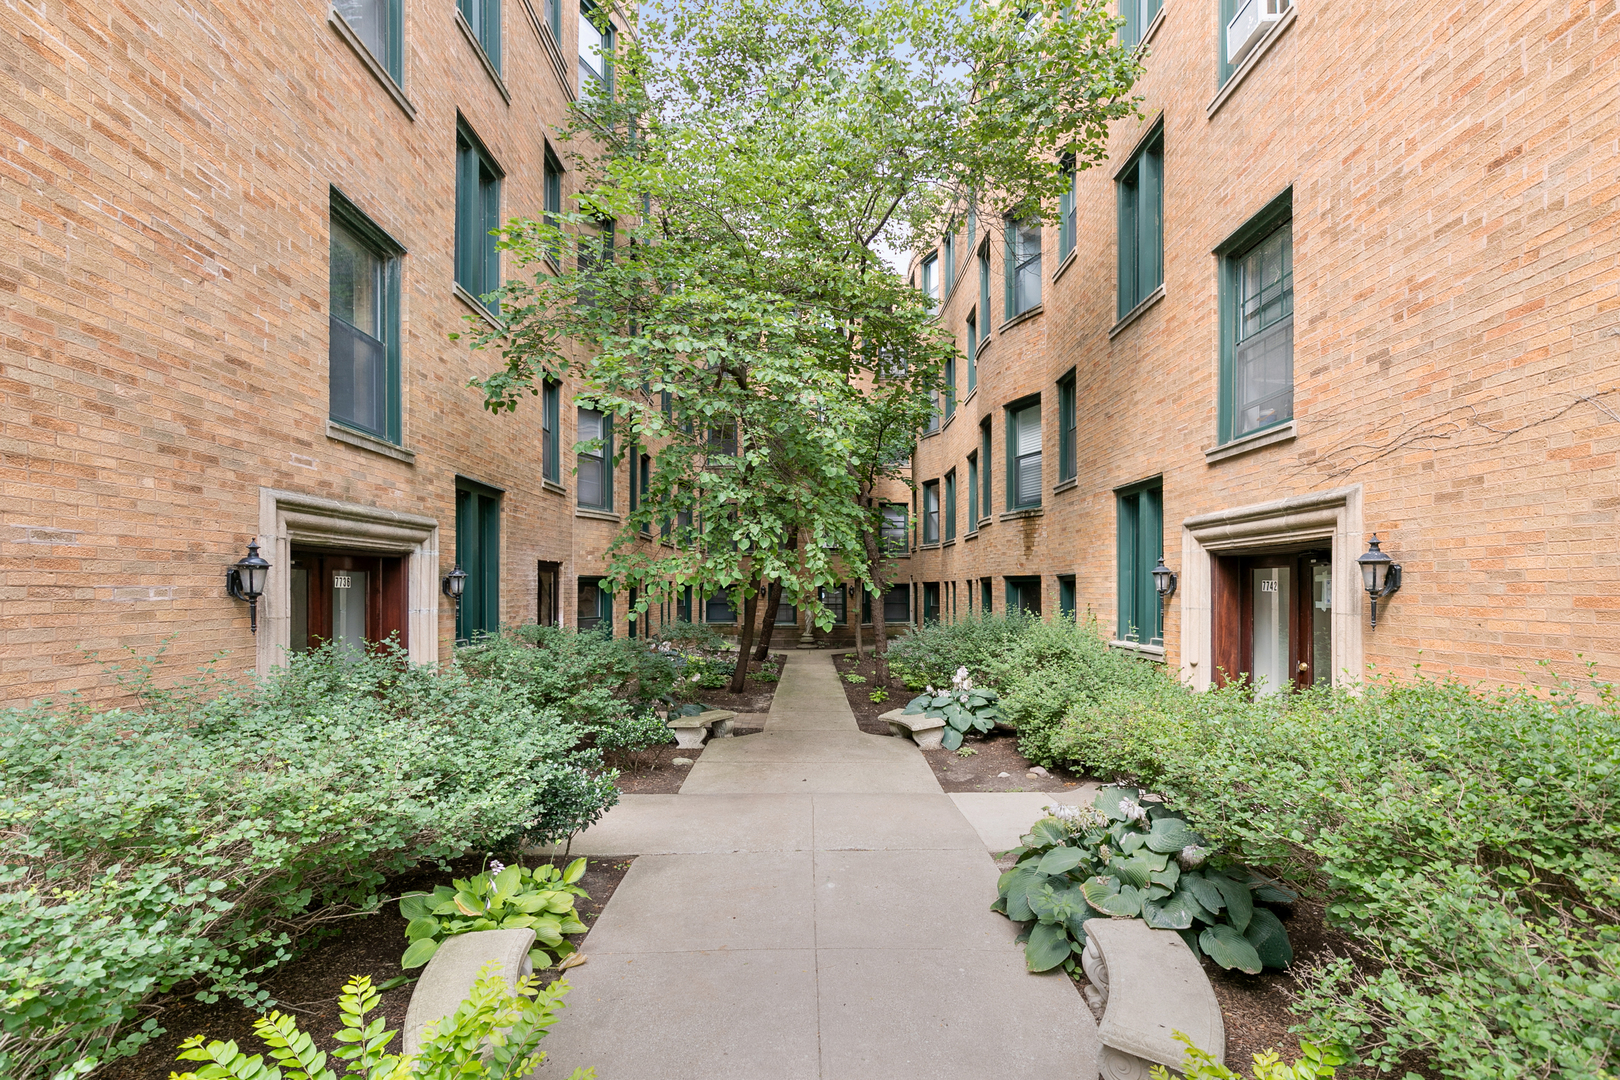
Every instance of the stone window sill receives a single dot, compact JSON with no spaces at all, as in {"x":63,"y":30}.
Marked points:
{"x":1022,"y":316}
{"x":972,"y":534}
{"x":483,"y":57}
{"x":985,"y":523}
{"x":1146,"y":652}
{"x":552,"y":47}
{"x":1251,"y":61}
{"x":1073,"y":255}
{"x":1153,"y":28}
{"x":1074,"y":482}
{"x":1138,"y":311}
{"x":596,"y":515}
{"x":553,"y":486}
{"x":351,"y":437}
{"x":1025,"y":512}
{"x":931,"y":546}
{"x":948,"y":543}
{"x":473,"y":302}
{"x":378,"y":72}
{"x":1237,"y":447}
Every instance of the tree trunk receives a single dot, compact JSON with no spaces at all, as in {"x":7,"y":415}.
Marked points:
{"x":773,"y":600}
{"x":745,"y":641}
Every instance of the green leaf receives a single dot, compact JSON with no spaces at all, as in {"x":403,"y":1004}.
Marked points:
{"x":1239,"y":901}
{"x":1230,"y":949}
{"x":423,"y":926}
{"x":1060,"y":860}
{"x":1168,"y":876}
{"x":1205,"y":890}
{"x":1048,"y":831}
{"x":958,"y":719}
{"x":1022,"y":879}
{"x":1269,"y":938}
{"x":951,"y":739}
{"x":575,"y":871}
{"x":1171,"y":835}
{"x":1131,"y":841}
{"x":1111,"y":800}
{"x":419,"y":953}
{"x":1108,"y":896}
{"x":1174,"y":912}
{"x":414,"y":906}
{"x":1047,"y":948}
{"x":506,"y":882}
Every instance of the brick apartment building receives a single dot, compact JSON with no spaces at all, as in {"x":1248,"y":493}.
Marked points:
{"x":1356,"y":270}
{"x":238,"y":237}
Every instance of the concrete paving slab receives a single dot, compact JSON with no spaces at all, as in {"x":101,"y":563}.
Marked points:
{"x":908,"y":900}
{"x":808,"y":746}
{"x":809,"y":778}
{"x":811,"y":720}
{"x":700,"y":903}
{"x":671,"y":824}
{"x":1001,"y":817}
{"x":948,"y":1015}
{"x":747,"y":1015}
{"x":891,"y":822}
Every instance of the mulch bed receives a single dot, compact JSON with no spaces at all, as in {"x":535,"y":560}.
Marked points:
{"x":757,"y":693}
{"x":653,"y":771}
{"x":308,"y":987}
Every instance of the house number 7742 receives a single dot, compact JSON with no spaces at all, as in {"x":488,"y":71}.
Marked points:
{"x":1265,"y":585}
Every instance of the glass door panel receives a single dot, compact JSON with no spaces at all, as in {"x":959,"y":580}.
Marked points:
{"x":1321,"y":672}
{"x":349,"y":593}
{"x":1271,"y":597}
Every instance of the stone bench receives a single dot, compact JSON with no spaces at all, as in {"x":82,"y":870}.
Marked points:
{"x":1149,"y":986}
{"x":689,"y":730}
{"x":448,"y":979}
{"x":928,"y":732}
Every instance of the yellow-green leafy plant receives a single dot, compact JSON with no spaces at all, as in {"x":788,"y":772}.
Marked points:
{"x":1315,"y":1063}
{"x":494,"y":1035}
{"x":501,"y":898}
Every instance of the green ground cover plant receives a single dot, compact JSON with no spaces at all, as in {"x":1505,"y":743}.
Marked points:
{"x":1314,"y":1063}
{"x":196,"y":840}
{"x":501,"y":898}
{"x":494,"y":1035}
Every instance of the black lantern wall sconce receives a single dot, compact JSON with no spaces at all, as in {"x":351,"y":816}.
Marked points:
{"x":454,"y":584}
{"x":1164,"y":581}
{"x":1380,"y":575}
{"x":246,"y":579}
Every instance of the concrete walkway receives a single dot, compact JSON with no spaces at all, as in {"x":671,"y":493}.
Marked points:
{"x":812,"y":905}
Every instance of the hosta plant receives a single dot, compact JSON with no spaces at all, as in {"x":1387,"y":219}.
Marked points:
{"x":502,"y":898}
{"x":1124,"y":858}
{"x":494,"y":1035}
{"x":964,"y":708}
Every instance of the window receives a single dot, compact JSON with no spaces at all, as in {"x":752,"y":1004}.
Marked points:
{"x":787,"y":614}
{"x":1140,"y":191}
{"x":837,"y":602}
{"x":1066,"y":596}
{"x":478,"y":214}
{"x":973,"y":493}
{"x":930,"y":281}
{"x":984,"y":293}
{"x":595,"y":53}
{"x":642,"y":485}
{"x":553,"y":200}
{"x":894,"y":529}
{"x":1138,"y":16}
{"x":985,"y":595}
{"x":1226,"y":63}
{"x":553,"y":10}
{"x":972,"y":226}
{"x":930,"y":514}
{"x":594,"y":250}
{"x":948,"y":248}
{"x":950,"y":505}
{"x":478,"y":553}
{"x":547,"y":574}
{"x":930,"y":601}
{"x":594,"y":442}
{"x":683,"y":603}
{"x":1066,"y":206}
{"x":985,"y":501}
{"x":594,"y":609}
{"x":551,"y":431}
{"x":1068,"y":466}
{"x":897,"y":604}
{"x":484,"y":20}
{"x":1024,"y":455}
{"x":972,"y":351}
{"x":363,"y":355}
{"x":1024,"y":594}
{"x":950,"y":387}
{"x":1141,"y":543}
{"x":1257,"y":324}
{"x":380,"y":26}
{"x":718,"y":609}
{"x":1023,"y":267}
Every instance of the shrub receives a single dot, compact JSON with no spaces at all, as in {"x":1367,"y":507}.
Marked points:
{"x":1467,"y":839}
{"x":931,"y":653}
{"x":964,"y":707}
{"x":689,"y":635}
{"x":502,"y":898}
{"x":496,"y":1033}
{"x":200,"y":838}
{"x":587,"y":678}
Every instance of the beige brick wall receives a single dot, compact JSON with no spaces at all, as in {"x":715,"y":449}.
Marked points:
{"x":1456,"y":223}
{"x":164,"y":179}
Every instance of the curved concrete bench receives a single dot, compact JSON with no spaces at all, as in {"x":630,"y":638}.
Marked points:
{"x":927,"y":732}
{"x":689,"y":730}
{"x":448,"y":979}
{"x":1150,"y":986}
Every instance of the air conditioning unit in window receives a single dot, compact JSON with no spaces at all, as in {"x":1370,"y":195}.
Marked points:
{"x":1254,"y":18}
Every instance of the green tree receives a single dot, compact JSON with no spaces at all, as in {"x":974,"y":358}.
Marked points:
{"x":762,"y":153}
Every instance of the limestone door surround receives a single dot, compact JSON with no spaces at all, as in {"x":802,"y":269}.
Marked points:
{"x":1333,"y":515}
{"x":290,"y":517}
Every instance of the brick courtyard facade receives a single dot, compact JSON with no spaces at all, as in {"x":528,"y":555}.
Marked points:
{"x":1442,"y":182}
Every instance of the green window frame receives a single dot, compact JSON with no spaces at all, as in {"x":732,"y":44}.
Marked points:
{"x":930,"y":512}
{"x":950,"y":386}
{"x":641,"y":484}
{"x":553,"y":202}
{"x":949,"y":499}
{"x":551,"y":431}
{"x":595,"y":53}
{"x":1021,"y":269}
{"x":1067,"y":212}
{"x":986,"y":501}
{"x":1140,"y":194}
{"x":593,"y":449}
{"x":364,"y":383}
{"x":930,"y":281}
{"x":478,"y":553}
{"x":478,"y":214}
{"x":973,"y":493}
{"x":986,"y":595}
{"x":947,"y":245}
{"x":1024,"y":594}
{"x":484,"y":20}
{"x":593,"y":606}
{"x":553,"y":10}
{"x":1068,"y":456}
{"x":719,"y":608}
{"x":972,"y":352}
{"x":380,"y":26}
{"x":1024,"y":453}
{"x":1224,"y":68}
{"x":1257,"y":322}
{"x":930,"y":602}
{"x":1140,"y":510}
{"x":984,"y":293}
{"x":1066,"y":606}
{"x":972,"y":226}
{"x":1138,"y":16}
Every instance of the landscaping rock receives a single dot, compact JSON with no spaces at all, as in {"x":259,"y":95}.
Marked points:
{"x":1039,"y":771}
{"x":681,"y":761}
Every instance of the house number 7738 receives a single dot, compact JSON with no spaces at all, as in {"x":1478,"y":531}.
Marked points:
{"x":340,"y":581}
